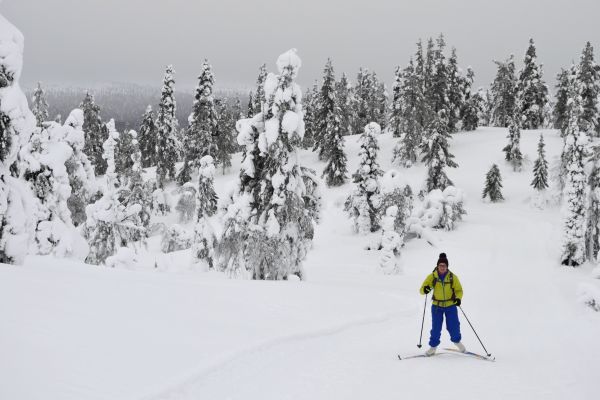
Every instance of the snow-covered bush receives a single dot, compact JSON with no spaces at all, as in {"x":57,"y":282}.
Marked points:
{"x":176,"y":238}
{"x":391,"y":242}
{"x":396,"y":192}
{"x":440,"y":210}
{"x":186,"y":205}
{"x":589,"y":295}
{"x":161,"y":202}
{"x":125,"y":258}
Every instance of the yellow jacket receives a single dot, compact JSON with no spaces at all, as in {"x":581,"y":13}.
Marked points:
{"x":444,"y":293}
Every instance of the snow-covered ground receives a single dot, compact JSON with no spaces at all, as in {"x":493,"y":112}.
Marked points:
{"x":74,"y":331}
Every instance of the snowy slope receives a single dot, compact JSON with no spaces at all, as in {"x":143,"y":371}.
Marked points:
{"x":72,"y":331}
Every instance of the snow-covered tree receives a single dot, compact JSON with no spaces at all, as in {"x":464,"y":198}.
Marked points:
{"x":436,"y":153}
{"x":540,"y":168}
{"x":225,"y":140}
{"x":504,"y":93}
{"x":16,"y":124}
{"x":344,"y":97}
{"x":250,"y":110}
{"x":310,"y":106}
{"x":493,"y":185}
{"x":455,"y":92}
{"x":81,"y":173}
{"x":204,"y":236}
{"x":532,"y":92}
{"x":588,"y":75}
{"x":39,"y":105}
{"x":147,"y":138}
{"x":167,"y":144}
{"x":472,"y":104}
{"x":365,"y":200}
{"x":200,"y":136}
{"x":408,"y":109}
{"x":110,"y":223}
{"x":513,"y":149}
{"x":560,"y":112}
{"x":176,"y":238}
{"x":362,"y":100}
{"x":95,"y":132}
{"x":439,"y":99}
{"x":136,"y":191}
{"x":123,"y":156}
{"x":260,"y":98}
{"x":391,"y":242}
{"x":592,"y":234}
{"x":267,"y":212}
{"x":575,"y":189}
{"x":328,"y":121}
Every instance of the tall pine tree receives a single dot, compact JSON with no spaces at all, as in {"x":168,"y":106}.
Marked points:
{"x":147,"y":138}
{"x":504,"y":91}
{"x":436,"y":154}
{"x":39,"y":105}
{"x":589,"y":78}
{"x":95,"y":132}
{"x":540,"y":168}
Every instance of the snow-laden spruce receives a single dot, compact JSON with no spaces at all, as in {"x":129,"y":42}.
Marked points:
{"x":95,"y":132}
{"x":391,"y":243}
{"x":504,"y":93}
{"x":575,"y":189}
{"x":493,"y":185}
{"x":588,"y":75}
{"x":79,"y":168}
{"x":199,"y":136}
{"x":111,"y":223}
{"x":363,"y":204}
{"x":268,"y":223}
{"x":167,"y":143}
{"x":513,"y":149}
{"x":204,"y":235}
{"x":147,"y":138}
{"x":436,"y":153}
{"x":540,"y":168}
{"x":532,"y":92}
{"x":39,"y":105}
{"x":329,"y":123}
{"x":438,"y":210}
{"x":17,"y":204}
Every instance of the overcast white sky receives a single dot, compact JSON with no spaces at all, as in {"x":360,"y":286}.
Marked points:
{"x":84,"y":42}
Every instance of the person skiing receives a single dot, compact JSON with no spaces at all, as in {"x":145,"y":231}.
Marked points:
{"x":447,"y":294}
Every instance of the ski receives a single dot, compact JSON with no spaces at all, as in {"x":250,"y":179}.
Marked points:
{"x":471,"y":354}
{"x":419,"y":356}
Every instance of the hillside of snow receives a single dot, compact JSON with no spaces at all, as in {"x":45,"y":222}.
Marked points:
{"x":75,"y":331}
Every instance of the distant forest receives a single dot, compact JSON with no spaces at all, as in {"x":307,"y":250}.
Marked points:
{"x":126,"y":103}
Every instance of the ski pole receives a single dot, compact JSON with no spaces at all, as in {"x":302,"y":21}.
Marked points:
{"x":486,"y":352}
{"x":422,"y":321}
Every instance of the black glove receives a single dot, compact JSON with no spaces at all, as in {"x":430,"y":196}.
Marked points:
{"x":457,"y":302}
{"x":427,"y":289}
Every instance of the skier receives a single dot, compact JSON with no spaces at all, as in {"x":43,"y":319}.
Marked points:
{"x":447,"y":294}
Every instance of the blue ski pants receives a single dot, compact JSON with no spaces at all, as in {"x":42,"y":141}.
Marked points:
{"x":452,"y":324}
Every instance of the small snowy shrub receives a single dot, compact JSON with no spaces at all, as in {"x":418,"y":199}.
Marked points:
{"x":176,"y":238}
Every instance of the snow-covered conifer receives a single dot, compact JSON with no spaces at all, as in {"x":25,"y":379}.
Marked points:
{"x":532,"y":92}
{"x":504,"y":92}
{"x":267,"y":212}
{"x":560,"y":112}
{"x":455,"y":92}
{"x":186,"y":204}
{"x":324,"y":116}
{"x":391,"y":242}
{"x":81,"y":173}
{"x":493,"y":184}
{"x":436,"y":153}
{"x":575,"y":188}
{"x":167,"y":144}
{"x":123,"y":157}
{"x":364,"y":202}
{"x":204,"y":236}
{"x":225,"y":140}
{"x":260,"y":98}
{"x":39,"y":105}
{"x":147,"y":138}
{"x":311,"y":106}
{"x":540,"y":168}
{"x":111,"y":224}
{"x":513,"y":149}
{"x":250,"y":108}
{"x":16,"y":125}
{"x":589,"y":78}
{"x":472,"y":104}
{"x":344,"y":97}
{"x":200,"y":136}
{"x":95,"y":132}
{"x":592,"y":234}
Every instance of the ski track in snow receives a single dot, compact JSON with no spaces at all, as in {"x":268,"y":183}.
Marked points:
{"x":174,"y":389}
